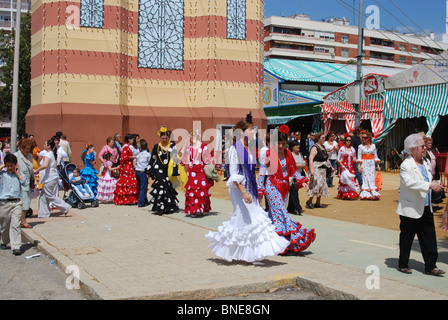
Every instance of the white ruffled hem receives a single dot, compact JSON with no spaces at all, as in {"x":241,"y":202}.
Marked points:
{"x":252,"y":242}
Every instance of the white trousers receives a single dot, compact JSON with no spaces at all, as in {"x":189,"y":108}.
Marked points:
{"x":10,"y":217}
{"x":47,"y":196}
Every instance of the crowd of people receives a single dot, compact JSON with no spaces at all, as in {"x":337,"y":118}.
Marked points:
{"x":285,"y":163}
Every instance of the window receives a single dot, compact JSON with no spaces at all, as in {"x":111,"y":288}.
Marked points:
{"x":236,"y":19}
{"x":287,"y":31}
{"x":344,"y":38}
{"x":161,"y":34}
{"x":91,"y":13}
{"x":345,"y":53}
{"x":402,"y":60}
{"x":414,"y":49}
{"x":402,"y":47}
{"x":414,"y":61}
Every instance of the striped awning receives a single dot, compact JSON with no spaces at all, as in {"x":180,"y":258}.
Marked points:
{"x":343,"y":110}
{"x":422,"y":101}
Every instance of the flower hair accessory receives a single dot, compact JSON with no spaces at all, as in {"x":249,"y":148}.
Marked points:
{"x":284,"y":129}
{"x":162,"y":129}
{"x":249,"y":117}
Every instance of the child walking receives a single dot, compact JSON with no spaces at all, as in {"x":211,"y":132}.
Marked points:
{"x":106,"y":185}
{"x":11,"y":183}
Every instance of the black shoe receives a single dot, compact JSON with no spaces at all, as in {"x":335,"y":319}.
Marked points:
{"x":310,"y":205}
{"x":4,"y":247}
{"x":300,"y":212}
{"x":319,"y":206}
{"x":16,"y":252}
{"x":293,"y":212}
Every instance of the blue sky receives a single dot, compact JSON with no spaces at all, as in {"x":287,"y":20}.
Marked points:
{"x":427,"y":15}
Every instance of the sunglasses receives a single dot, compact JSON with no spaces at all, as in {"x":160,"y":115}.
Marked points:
{"x":348,"y":140}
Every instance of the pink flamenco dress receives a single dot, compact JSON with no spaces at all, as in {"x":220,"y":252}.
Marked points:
{"x":106,"y":185}
{"x":348,"y":189}
{"x":197,"y":188}
{"x":126,"y":188}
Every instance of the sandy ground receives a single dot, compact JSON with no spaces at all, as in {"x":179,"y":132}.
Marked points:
{"x":379,"y":213}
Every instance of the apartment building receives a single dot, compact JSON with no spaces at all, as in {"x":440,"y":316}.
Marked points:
{"x":299,"y":38}
{"x":8,"y":11}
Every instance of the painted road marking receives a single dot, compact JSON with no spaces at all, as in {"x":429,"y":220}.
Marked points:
{"x":374,"y":244}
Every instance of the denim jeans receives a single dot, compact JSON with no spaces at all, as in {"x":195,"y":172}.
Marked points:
{"x":142,"y":180}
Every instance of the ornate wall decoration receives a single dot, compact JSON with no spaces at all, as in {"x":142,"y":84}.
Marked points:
{"x":161,"y":34}
{"x":236,"y":19}
{"x":92,"y":13}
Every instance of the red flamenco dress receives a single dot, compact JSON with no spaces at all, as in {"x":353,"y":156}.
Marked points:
{"x":126,"y":190}
{"x":348,"y":189}
{"x":277,"y":188}
{"x":197,"y":189}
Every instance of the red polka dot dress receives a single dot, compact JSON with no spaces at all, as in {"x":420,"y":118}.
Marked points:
{"x":126,"y":188}
{"x":197,"y":189}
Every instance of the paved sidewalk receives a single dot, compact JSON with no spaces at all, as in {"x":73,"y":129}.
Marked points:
{"x":125,"y":252}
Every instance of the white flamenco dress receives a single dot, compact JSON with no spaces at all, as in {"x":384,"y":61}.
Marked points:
{"x":249,"y":234}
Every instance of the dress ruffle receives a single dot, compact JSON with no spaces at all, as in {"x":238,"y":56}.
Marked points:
{"x":164,"y":196}
{"x":197,"y":193}
{"x":106,"y":188}
{"x":249,"y":242}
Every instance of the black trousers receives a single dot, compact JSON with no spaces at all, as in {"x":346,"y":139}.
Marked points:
{"x":293,"y":201}
{"x":426,"y":234}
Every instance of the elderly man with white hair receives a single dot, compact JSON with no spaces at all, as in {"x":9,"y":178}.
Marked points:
{"x":414,"y":207}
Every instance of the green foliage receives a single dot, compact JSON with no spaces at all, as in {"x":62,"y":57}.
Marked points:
{"x":7,"y":39}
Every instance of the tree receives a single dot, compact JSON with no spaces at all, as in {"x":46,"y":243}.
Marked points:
{"x":7,"y":59}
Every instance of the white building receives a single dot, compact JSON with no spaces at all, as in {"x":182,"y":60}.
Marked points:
{"x":297,"y":37}
{"x":8,"y":10}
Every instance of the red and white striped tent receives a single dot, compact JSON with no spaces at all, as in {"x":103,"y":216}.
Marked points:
{"x":337,"y":107}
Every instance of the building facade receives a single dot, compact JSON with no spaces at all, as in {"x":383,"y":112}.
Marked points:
{"x":104,"y":67}
{"x":297,"y":37}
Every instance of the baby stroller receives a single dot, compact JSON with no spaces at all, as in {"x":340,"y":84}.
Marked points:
{"x":76,"y":197}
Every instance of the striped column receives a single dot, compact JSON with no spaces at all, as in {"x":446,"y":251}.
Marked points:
{"x":87,"y":82}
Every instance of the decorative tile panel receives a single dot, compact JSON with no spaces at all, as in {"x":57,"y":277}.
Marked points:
{"x":161,"y":34}
{"x":236,"y":19}
{"x":92,"y":13}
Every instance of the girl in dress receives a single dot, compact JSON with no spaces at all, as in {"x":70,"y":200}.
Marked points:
{"x":281,"y":168}
{"x":164,"y":196}
{"x":89,"y":173}
{"x":106,"y":185}
{"x":367,"y":161}
{"x":249,"y":234}
{"x":126,"y":188}
{"x":347,"y":187}
{"x":197,"y":189}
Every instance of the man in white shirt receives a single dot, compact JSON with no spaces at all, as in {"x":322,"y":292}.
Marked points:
{"x":141,"y":163}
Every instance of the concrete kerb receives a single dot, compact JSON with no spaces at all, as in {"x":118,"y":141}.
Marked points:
{"x":92,"y":287}
{"x":62,"y":262}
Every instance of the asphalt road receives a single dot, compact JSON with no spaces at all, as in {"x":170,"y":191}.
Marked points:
{"x":35,"y":278}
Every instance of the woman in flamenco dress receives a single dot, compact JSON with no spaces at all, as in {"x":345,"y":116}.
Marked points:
{"x":368,"y":161}
{"x":281,"y":168}
{"x":197,"y":189}
{"x":164,"y":196}
{"x":249,"y":235}
{"x":126,"y":188}
{"x":347,"y":186}
{"x":89,"y":173}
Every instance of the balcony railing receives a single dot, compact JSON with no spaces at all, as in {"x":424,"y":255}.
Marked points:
{"x":7,"y":5}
